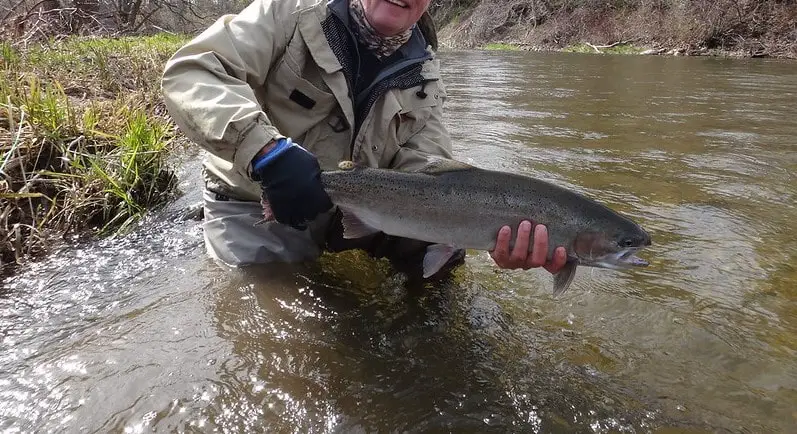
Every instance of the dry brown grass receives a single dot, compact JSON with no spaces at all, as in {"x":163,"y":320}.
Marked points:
{"x":84,"y":140}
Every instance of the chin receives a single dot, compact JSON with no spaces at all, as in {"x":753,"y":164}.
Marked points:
{"x":385,"y":27}
{"x":391,"y":25}
{"x":389,"y":32}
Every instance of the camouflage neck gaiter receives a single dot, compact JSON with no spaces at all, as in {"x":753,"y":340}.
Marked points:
{"x":381,"y":46}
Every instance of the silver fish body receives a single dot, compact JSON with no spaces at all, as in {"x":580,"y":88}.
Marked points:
{"x":455,"y":205}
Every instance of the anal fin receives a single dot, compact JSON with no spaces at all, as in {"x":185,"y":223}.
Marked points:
{"x":562,"y":279}
{"x":437,"y":256}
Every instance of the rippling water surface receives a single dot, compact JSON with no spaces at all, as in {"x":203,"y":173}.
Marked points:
{"x":143,"y":332}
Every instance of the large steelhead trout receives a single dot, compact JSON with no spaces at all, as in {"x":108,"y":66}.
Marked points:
{"x":458,"y":206}
{"x":455,"y":205}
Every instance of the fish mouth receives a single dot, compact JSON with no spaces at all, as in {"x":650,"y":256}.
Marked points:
{"x":623,"y":259}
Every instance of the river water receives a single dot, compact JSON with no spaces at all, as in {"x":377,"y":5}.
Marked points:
{"x":143,"y":332}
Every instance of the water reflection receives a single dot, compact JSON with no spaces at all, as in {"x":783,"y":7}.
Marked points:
{"x":350,"y":357}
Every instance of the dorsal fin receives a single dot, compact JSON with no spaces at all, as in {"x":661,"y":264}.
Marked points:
{"x":437,"y":165}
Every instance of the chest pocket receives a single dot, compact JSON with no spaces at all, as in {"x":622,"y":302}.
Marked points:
{"x":404,"y":113}
{"x":296,"y":98}
{"x":416,"y":108}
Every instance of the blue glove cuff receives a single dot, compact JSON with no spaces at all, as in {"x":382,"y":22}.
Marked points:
{"x":260,"y":162}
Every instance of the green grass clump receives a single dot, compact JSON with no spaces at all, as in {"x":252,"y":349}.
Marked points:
{"x":579,"y":48}
{"x":84,"y":139}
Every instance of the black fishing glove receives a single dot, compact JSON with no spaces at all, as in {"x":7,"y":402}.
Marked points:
{"x":290,"y":178}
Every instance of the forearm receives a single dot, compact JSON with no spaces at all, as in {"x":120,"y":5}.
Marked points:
{"x":208,"y":84}
{"x":231,"y":127}
{"x":268,"y":147}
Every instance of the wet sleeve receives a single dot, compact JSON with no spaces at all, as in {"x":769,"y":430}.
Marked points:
{"x":208,"y":84}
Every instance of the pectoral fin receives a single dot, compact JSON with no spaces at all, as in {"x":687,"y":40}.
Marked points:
{"x":562,"y":279}
{"x":353,"y":227}
{"x":437,"y":255}
{"x":268,"y":214}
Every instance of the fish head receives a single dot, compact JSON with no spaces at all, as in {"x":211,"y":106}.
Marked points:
{"x":611,"y":246}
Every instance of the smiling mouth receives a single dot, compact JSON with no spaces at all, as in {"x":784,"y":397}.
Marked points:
{"x":398,"y":3}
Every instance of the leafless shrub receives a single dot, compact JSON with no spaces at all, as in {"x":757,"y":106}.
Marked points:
{"x":36,"y":19}
{"x":754,"y":27}
{"x":490,"y":20}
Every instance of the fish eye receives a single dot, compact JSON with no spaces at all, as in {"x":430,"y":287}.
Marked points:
{"x":628,"y":242}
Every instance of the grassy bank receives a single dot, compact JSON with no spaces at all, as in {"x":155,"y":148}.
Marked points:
{"x":84,"y":139}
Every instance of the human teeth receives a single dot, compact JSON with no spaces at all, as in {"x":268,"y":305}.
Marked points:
{"x":398,"y":3}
